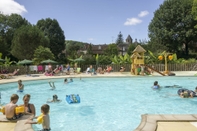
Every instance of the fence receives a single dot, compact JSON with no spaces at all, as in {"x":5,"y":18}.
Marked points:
{"x":116,"y":68}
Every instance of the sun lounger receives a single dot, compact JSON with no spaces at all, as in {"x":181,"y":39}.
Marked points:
{"x":9,"y":75}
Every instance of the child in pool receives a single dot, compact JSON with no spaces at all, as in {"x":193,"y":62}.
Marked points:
{"x":44,"y":119}
{"x":52,"y":85}
{"x":156,"y":85}
{"x":55,"y":99}
{"x":20,"y":86}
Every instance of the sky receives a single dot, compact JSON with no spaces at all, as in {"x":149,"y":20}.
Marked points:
{"x":91,"y":21}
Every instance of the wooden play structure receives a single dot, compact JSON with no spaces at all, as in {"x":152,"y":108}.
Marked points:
{"x":137,"y":59}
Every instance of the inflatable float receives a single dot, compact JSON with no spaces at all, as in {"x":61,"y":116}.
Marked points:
{"x":188,"y":91}
{"x":18,"y":109}
{"x":73,"y":98}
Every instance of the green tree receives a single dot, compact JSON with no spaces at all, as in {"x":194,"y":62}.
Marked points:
{"x":111,"y":49}
{"x":73,"y":48}
{"x":194,"y":10}
{"x":26,"y":40}
{"x":42,"y":53}
{"x":8,"y":25}
{"x":89,"y":49}
{"x":120,"y":39}
{"x":53,"y":31}
{"x":131,"y":49}
{"x":173,"y":25}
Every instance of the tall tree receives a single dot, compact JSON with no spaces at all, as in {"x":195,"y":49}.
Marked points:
{"x":173,"y":25}
{"x":120,"y":39}
{"x":54,"y":32}
{"x":8,"y":25}
{"x":26,"y":40}
{"x":194,"y":10}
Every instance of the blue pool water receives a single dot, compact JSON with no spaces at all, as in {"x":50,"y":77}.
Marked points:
{"x":107,"y":104}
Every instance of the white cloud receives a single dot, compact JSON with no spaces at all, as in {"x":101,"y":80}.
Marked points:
{"x":132,"y":21}
{"x":143,"y":13}
{"x":90,"y":39}
{"x":10,"y":6}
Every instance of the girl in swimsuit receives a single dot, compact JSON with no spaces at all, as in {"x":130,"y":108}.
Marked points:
{"x":29,"y":108}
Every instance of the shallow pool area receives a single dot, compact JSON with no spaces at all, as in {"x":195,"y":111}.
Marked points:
{"x":107,"y":104}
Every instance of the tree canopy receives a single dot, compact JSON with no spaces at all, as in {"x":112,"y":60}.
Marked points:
{"x":8,"y":25}
{"x":173,"y":26}
{"x":54,"y":32}
{"x":42,"y":53}
{"x":26,"y":40}
{"x":111,"y":50}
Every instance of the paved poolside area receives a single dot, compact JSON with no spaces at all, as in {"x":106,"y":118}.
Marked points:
{"x":148,"y":122}
{"x":82,"y":75}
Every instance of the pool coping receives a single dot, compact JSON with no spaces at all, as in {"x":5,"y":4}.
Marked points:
{"x":149,"y":121}
{"x":20,"y":123}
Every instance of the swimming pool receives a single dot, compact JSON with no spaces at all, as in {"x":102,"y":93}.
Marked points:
{"x":107,"y":104}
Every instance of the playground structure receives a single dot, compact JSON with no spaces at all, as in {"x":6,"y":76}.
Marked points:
{"x":137,"y":59}
{"x":166,"y":57}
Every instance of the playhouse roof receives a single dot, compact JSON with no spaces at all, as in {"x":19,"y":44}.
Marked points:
{"x":135,"y":55}
{"x":139,"y":49}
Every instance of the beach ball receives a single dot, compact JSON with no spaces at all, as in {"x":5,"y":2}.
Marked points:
{"x":170,"y":57}
{"x":160,"y":57}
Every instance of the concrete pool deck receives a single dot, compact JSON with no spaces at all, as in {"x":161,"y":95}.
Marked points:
{"x":160,"y":122}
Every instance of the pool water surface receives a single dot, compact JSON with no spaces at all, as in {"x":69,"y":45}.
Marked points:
{"x":107,"y":104}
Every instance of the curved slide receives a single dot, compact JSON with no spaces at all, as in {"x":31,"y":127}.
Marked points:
{"x":155,"y":70}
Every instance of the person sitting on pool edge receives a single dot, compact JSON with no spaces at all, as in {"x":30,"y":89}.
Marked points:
{"x":156,"y":85}
{"x":20,"y":86}
{"x":55,"y":99}
{"x":29,"y":108}
{"x":10,"y":108}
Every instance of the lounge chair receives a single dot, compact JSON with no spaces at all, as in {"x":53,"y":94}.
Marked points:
{"x":9,"y":75}
{"x":122,"y":69}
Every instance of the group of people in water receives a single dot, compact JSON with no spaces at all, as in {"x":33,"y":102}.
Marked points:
{"x":183,"y":93}
{"x":12,"y":111}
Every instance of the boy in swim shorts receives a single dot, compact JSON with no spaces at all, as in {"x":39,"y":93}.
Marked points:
{"x":45,"y":118}
{"x":10,"y":108}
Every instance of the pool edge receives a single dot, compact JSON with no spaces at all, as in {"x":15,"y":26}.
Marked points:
{"x":149,"y":121}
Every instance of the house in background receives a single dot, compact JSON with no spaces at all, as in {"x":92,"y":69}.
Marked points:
{"x":99,"y":49}
{"x":124,"y":46}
